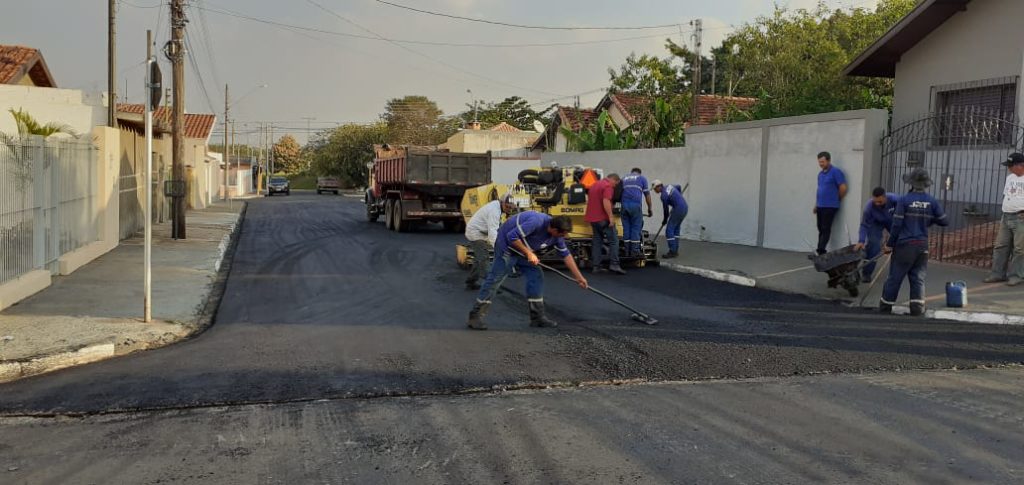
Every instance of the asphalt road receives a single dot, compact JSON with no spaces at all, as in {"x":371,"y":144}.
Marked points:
{"x":322,"y":304}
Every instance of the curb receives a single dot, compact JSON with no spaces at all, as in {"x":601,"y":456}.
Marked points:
{"x":15,"y":370}
{"x":713,"y":275}
{"x":984,"y":318}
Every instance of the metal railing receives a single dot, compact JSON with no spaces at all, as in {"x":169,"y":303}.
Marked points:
{"x":48,"y":201}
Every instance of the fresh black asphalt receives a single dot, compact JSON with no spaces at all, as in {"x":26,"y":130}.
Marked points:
{"x":323,"y":304}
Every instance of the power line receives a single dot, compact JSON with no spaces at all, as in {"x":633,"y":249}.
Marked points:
{"x":427,"y":42}
{"x":523,"y":26}
{"x":199,"y":74}
{"x":418,"y":53}
{"x":206,"y":41}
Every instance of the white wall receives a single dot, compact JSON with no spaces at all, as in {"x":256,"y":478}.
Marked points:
{"x":985,"y":41}
{"x":72,"y":107}
{"x":754,"y":183}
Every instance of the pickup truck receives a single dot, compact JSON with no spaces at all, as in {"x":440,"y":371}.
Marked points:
{"x":327,"y":184}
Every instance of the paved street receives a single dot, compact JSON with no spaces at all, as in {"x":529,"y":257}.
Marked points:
{"x":321,"y":305}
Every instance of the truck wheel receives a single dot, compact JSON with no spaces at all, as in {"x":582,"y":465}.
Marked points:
{"x":389,"y":215}
{"x":371,"y":215}
{"x":401,"y":224}
{"x":335,"y":192}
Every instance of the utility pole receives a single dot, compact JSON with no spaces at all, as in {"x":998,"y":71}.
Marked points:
{"x":224,"y":149}
{"x":714,"y":71}
{"x":176,"y":51}
{"x":147,"y":259}
{"x":270,"y":143}
{"x":698,"y":35}
{"x":112,"y":63}
{"x":309,"y":130}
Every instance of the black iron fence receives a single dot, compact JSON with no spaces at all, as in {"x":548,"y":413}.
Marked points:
{"x":962,"y":150}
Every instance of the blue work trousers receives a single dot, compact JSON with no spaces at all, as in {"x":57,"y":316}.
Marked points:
{"x":673,"y":227}
{"x":908,"y":261}
{"x":500,"y":269}
{"x":632,"y":225}
{"x":873,"y":247}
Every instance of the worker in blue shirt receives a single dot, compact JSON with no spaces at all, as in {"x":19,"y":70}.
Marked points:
{"x":674,"y":210}
{"x":634,"y":192}
{"x":519,"y":239}
{"x":908,"y":241}
{"x":831,"y":190}
{"x":877,"y":218}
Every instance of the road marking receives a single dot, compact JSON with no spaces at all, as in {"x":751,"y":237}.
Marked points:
{"x":788,"y":271}
{"x":714,"y":275}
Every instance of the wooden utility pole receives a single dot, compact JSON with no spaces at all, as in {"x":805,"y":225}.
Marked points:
{"x":112,"y":63}
{"x":698,"y":34}
{"x":224,"y":150}
{"x":176,"y":50}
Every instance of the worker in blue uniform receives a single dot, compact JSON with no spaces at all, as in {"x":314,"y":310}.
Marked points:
{"x":519,"y":239}
{"x":908,"y":241}
{"x":634,"y":192}
{"x":674,"y":210}
{"x":876,"y":219}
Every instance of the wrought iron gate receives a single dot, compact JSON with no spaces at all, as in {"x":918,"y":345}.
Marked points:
{"x":963,"y":151}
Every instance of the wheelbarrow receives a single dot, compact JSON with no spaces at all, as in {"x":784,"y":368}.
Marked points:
{"x":843,"y":267}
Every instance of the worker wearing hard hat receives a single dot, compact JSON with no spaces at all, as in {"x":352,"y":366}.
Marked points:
{"x":674,"y":209}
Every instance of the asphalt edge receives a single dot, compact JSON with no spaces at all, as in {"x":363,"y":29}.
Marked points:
{"x":963,"y":316}
{"x":20,"y":369}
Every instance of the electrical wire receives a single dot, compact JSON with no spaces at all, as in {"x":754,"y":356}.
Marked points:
{"x":206,"y":42}
{"x":199,"y":74}
{"x":523,"y":26}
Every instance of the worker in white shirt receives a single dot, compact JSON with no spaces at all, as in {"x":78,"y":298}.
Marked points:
{"x":1008,"y":255}
{"x":481,"y":231}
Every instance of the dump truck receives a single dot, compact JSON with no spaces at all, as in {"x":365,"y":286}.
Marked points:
{"x":556,"y":191}
{"x":413,"y":185}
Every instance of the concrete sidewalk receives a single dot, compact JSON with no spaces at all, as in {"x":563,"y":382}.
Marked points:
{"x":96,"y":312}
{"x":792,"y":272}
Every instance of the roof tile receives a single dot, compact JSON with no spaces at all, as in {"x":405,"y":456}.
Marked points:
{"x":196,"y":125}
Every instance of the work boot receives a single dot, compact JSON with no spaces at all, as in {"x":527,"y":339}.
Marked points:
{"x":616,"y":269}
{"x":537,"y":317}
{"x":916,"y":309}
{"x":598,"y":269}
{"x":1014,"y":281}
{"x":885,"y":308}
{"x":669,"y":255}
{"x":476,"y":315}
{"x":993,"y":279}
{"x":472,"y":285}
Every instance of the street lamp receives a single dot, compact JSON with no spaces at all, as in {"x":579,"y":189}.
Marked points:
{"x":473,"y":99}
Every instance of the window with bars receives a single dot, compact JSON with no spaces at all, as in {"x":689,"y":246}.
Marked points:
{"x":981,"y":113}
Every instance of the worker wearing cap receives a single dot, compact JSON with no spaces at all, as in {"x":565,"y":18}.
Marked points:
{"x":908,"y":241}
{"x":634,"y":192}
{"x":877,"y":218}
{"x":1010,"y":240}
{"x":518,"y":241}
{"x":482,"y":232}
{"x":674,"y":210}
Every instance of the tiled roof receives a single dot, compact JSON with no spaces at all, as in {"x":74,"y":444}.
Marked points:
{"x":18,"y":61}
{"x":505,"y":127}
{"x":196,"y":125}
{"x":712,"y":109}
{"x":577,"y":119}
{"x":631,"y":105}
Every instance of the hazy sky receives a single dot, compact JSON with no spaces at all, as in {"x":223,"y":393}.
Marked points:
{"x":341,"y":79}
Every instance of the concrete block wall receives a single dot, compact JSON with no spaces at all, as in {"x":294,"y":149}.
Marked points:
{"x":79,"y":110}
{"x":754,"y":183}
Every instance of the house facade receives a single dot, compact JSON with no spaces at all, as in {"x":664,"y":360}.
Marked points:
{"x":502,"y":136}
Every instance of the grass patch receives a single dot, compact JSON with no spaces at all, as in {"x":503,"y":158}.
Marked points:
{"x":302,"y":181}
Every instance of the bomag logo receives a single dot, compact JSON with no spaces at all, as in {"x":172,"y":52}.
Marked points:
{"x":573,"y":210}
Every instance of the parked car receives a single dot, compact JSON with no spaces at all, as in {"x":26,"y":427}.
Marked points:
{"x":327,"y":184}
{"x":278,"y":185}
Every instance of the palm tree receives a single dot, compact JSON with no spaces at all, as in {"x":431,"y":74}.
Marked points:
{"x":18,"y":145}
{"x":603,"y":135}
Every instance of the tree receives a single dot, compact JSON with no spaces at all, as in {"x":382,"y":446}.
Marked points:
{"x":416,"y":120}
{"x":513,"y":110}
{"x":288,"y":155}
{"x":344,"y":152}
{"x":603,"y":135}
{"x":648,"y":75}
{"x":794,"y":59}
{"x":663,"y":128}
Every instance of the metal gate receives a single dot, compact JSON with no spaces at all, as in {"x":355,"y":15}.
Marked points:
{"x":963,"y":151}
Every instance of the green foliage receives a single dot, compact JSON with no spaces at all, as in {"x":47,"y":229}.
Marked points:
{"x":648,"y":75}
{"x":794,"y":59}
{"x":416,"y":120}
{"x":344,"y":152}
{"x":513,"y":110}
{"x":29,"y":126}
{"x":662,"y":129}
{"x":17,"y":145}
{"x":288,"y":156}
{"x":604,"y":135}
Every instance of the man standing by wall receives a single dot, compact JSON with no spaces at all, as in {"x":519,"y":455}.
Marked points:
{"x":602,"y":222}
{"x":877,"y":218}
{"x":482,"y":231}
{"x":634,"y":192}
{"x":831,"y":190}
{"x":674,"y":209}
{"x":908,"y":242}
{"x":1010,"y":241}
